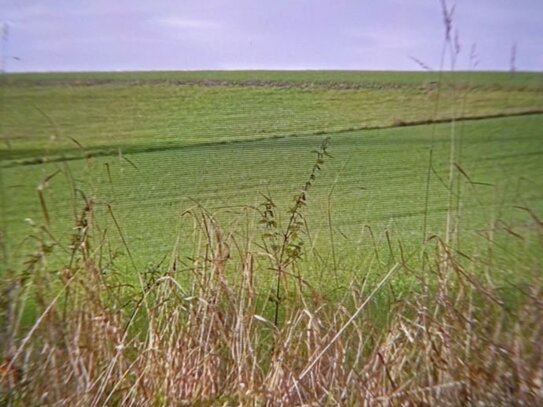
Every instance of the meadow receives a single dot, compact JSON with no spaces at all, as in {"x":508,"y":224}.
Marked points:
{"x":154,"y":172}
{"x":153,"y":150}
{"x":102,"y":113}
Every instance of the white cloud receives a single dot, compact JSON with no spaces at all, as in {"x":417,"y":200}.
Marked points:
{"x":187,"y":23}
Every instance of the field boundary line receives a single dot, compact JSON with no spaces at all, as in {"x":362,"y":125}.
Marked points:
{"x":114,"y":150}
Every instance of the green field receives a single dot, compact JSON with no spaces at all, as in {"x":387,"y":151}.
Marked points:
{"x":59,"y":117}
{"x":154,"y":144}
{"x":362,"y":79}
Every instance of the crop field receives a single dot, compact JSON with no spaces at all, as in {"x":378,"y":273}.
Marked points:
{"x":57,"y":118}
{"x":155,"y":149}
{"x":139,"y":174}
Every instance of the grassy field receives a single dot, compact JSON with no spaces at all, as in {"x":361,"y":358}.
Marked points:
{"x":377,"y":79}
{"x":98,"y":172}
{"x":160,"y":148}
{"x":376,"y":178}
{"x":54,"y":119}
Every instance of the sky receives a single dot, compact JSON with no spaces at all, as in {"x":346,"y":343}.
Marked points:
{"x":111,"y":35}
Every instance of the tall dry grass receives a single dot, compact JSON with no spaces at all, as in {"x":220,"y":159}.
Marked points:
{"x":201,"y":333}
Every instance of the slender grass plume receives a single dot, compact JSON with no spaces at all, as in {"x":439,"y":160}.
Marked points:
{"x":285,"y":247}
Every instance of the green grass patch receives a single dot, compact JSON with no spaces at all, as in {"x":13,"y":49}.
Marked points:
{"x":66,"y":119}
{"x":376,"y":179}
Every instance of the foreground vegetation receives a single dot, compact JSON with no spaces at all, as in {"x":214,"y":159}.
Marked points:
{"x":426,"y":326}
{"x":199,"y":330}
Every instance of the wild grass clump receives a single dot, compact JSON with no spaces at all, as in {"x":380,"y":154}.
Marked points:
{"x":199,"y":332}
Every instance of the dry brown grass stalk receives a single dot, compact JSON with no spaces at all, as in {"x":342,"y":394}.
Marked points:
{"x":206,"y":338}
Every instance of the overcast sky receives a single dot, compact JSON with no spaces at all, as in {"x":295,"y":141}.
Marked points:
{"x":65,"y":35}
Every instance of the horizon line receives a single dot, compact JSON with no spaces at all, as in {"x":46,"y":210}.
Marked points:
{"x":269,"y":70}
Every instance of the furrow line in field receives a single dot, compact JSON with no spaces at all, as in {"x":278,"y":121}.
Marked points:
{"x":114,"y":150}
